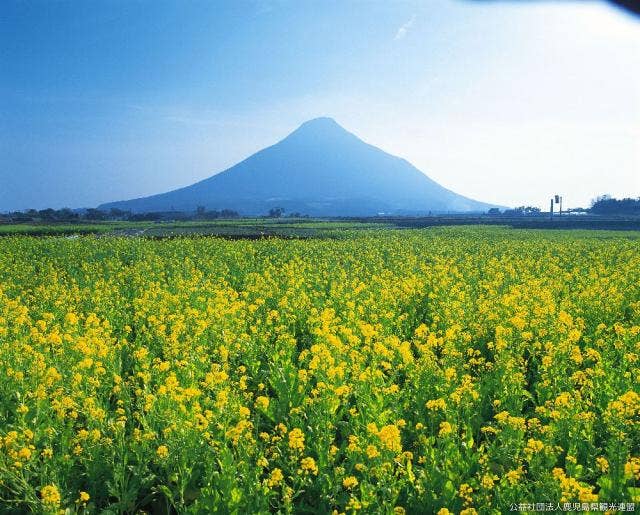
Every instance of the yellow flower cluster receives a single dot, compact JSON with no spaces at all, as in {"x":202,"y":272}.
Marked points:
{"x":349,"y":482}
{"x":296,"y":439}
{"x":572,"y":489}
{"x":309,"y":465}
{"x":50,"y":496}
{"x":449,"y":370}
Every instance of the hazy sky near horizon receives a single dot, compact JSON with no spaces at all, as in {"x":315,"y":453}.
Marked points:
{"x":504,"y":102}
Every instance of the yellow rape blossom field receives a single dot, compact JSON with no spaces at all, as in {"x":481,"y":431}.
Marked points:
{"x":444,"y":370}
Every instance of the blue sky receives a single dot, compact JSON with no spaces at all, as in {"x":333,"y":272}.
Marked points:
{"x":505,"y":102}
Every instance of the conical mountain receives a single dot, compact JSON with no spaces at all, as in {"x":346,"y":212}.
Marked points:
{"x":320,"y":169}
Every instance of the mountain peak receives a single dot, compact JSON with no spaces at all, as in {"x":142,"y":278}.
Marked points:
{"x":321,"y":121}
{"x":319,"y":127}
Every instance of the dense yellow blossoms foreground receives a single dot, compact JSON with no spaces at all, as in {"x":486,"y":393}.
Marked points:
{"x":436,"y":371}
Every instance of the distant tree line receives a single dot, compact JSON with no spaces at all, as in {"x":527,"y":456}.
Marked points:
{"x":203,"y":214}
{"x":278,"y":212}
{"x":114,"y":214}
{"x":605,"y":205}
{"x":49,"y":215}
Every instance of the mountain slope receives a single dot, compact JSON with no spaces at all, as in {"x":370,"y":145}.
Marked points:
{"x":320,"y":169}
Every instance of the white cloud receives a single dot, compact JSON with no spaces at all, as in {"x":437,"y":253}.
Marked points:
{"x":402,"y":31}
